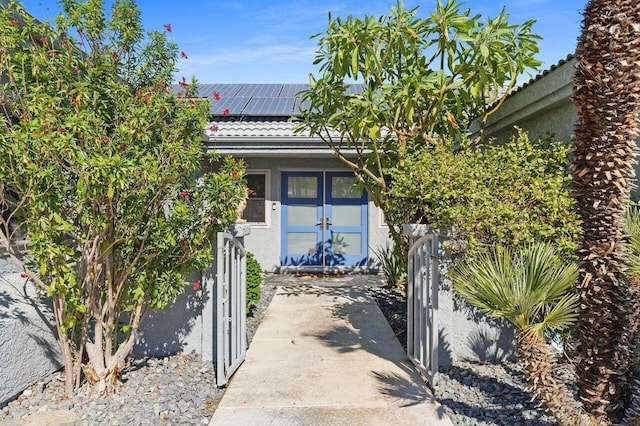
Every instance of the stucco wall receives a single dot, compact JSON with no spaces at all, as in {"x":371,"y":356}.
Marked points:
{"x":542,"y":107}
{"x":29,"y":350}
{"x":265,"y":241}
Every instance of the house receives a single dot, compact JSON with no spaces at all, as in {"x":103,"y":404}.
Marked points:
{"x":542,"y":107}
{"x":304,"y":209}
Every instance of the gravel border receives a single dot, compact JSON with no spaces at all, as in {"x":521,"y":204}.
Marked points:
{"x":181,"y":389}
{"x":178,"y":389}
{"x":471,"y":393}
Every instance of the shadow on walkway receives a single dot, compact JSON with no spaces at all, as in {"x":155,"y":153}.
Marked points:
{"x":325,"y":354}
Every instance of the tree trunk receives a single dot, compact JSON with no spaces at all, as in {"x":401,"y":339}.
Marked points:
{"x":606,"y":91}
{"x":539,"y":362}
{"x":65,"y":347}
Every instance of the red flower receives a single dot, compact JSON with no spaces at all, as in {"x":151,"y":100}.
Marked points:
{"x":167,"y":27}
{"x":195,"y":285}
{"x":216,"y":96}
{"x":183,"y":242}
{"x":24,"y":275}
{"x":226,"y":111}
{"x":249,"y":190}
{"x":183,"y":82}
{"x":14,"y":22}
{"x":43,"y":39}
{"x":183,"y":193}
{"x":75,"y":101}
{"x":213,"y":128}
{"x":235,"y":174}
{"x":184,"y":55}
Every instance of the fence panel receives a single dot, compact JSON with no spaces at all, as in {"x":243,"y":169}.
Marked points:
{"x":422,"y":305}
{"x":231,"y":301}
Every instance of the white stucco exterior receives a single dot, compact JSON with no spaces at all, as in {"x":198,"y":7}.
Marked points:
{"x":265,"y":239}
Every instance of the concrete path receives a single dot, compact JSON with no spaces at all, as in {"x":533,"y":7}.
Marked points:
{"x":325,"y":355}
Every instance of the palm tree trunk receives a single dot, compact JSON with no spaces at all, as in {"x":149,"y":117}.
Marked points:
{"x":606,"y":92}
{"x":538,"y":361}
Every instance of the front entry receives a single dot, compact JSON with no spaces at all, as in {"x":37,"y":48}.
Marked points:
{"x":324,"y":220}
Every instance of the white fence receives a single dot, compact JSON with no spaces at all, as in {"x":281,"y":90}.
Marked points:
{"x":230,"y":309}
{"x":422,"y":305}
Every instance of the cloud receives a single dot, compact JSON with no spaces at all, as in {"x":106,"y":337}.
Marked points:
{"x":230,"y":5}
{"x":284,"y":53}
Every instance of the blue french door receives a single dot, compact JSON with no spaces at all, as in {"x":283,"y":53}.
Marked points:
{"x":324,"y":220}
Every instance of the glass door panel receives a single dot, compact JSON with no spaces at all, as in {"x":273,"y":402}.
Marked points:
{"x":302,"y":206}
{"x":324,"y":220}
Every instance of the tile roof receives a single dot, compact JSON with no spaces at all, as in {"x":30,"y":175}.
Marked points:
{"x":255,"y":127}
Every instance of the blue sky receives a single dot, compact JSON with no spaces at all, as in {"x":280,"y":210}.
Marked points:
{"x":254,"y":41}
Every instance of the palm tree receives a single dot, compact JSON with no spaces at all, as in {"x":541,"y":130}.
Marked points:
{"x":606,"y":94}
{"x":530,"y":288}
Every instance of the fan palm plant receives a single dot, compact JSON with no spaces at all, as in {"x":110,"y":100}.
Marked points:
{"x":532,"y":289}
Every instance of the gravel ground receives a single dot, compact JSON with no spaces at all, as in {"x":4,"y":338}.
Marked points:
{"x":471,"y":393}
{"x":180,"y":389}
{"x":177,"y":390}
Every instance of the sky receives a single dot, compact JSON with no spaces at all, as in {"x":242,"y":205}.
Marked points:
{"x":268,"y":41}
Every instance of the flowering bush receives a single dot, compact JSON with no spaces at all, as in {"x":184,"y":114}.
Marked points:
{"x":100,"y":164}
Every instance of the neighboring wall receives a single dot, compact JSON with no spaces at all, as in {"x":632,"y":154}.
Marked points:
{"x":541,"y":107}
{"x":29,"y":349}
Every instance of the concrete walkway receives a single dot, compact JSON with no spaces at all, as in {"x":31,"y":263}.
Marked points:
{"x":325,"y":355}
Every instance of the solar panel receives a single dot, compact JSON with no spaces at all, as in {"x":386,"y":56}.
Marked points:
{"x":235,"y":106}
{"x":354,"y":88}
{"x":270,"y":106}
{"x":261,"y":90}
{"x":291,"y":90}
{"x":300,"y":105}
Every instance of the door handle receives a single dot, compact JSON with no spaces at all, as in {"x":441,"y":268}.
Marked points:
{"x":324,"y":222}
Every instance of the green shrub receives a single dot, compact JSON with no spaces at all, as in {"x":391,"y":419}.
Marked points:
{"x":254,"y":279}
{"x":511,"y":194}
{"x":392,"y":265}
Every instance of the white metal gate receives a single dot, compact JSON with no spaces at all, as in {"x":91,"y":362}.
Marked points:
{"x":422,"y":305}
{"x":230,"y":314}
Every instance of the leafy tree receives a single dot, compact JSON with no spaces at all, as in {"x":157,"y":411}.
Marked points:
{"x":606,"y":93}
{"x":531,"y":287}
{"x":512,"y":194}
{"x":100,"y":170}
{"x":423,"y":81}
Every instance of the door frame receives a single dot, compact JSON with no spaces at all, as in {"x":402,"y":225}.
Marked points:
{"x":323,"y":260}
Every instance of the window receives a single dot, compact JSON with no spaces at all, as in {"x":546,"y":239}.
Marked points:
{"x":256,"y":211}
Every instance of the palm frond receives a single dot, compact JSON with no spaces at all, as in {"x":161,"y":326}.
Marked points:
{"x":530,"y":287}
